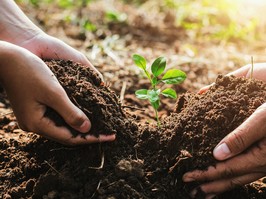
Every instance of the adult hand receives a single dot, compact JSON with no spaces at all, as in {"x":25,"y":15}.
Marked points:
{"x":48,"y":47}
{"x":17,"y":28}
{"x":242,"y":152}
{"x":31,"y":87}
{"x":259,"y":72}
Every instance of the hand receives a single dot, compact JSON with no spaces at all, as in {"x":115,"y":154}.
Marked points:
{"x":259,"y":72}
{"x":48,"y":47}
{"x":31,"y":87}
{"x":17,"y":28}
{"x":242,"y":153}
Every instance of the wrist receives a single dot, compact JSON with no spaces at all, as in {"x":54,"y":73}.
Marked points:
{"x":8,"y":54}
{"x":5,"y":51}
{"x":15,"y":26}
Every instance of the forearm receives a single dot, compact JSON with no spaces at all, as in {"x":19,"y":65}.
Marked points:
{"x":15,"y":26}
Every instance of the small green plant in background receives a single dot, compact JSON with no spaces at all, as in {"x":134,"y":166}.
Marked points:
{"x":117,"y":17}
{"x":171,"y":76}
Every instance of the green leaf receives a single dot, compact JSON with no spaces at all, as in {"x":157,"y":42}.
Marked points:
{"x":153,"y":95}
{"x":158,"y":66}
{"x":142,"y":94}
{"x":168,"y":92}
{"x":154,"y":81}
{"x":155,"y":104}
{"x":174,"y":76}
{"x":140,"y":61}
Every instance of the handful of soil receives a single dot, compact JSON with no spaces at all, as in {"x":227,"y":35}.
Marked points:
{"x":87,"y":91}
{"x":201,"y":121}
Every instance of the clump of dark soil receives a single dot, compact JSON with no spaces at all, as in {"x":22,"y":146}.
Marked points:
{"x":88,"y":92}
{"x":205,"y":119}
{"x":144,"y":161}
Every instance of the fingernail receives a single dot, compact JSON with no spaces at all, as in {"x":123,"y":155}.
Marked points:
{"x":211,"y":196}
{"x":84,"y":127}
{"x":221,"y":152}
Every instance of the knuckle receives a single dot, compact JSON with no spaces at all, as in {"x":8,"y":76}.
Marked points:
{"x":258,"y":154}
{"x":199,"y":174}
{"x":234,"y":183}
{"x":227,"y":172}
{"x":237,"y":143}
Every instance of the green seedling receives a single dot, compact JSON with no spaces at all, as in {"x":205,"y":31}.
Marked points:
{"x":172,"y":76}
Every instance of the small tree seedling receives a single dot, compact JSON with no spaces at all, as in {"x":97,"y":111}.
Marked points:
{"x":172,"y":76}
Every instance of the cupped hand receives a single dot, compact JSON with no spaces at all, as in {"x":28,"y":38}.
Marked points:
{"x":31,"y":87}
{"x":48,"y":47}
{"x":242,"y":152}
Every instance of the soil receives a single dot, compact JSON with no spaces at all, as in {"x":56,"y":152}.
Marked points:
{"x":143,"y":162}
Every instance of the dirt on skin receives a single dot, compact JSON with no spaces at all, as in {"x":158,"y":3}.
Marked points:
{"x":143,"y":162}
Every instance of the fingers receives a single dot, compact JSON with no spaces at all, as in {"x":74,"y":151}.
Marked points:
{"x":62,"y":135}
{"x":259,"y":71}
{"x":252,"y":130}
{"x":241,"y":72}
{"x":239,"y":165}
{"x":56,"y":98}
{"x":212,"y":189}
{"x":205,"y":89}
{"x":239,"y":170}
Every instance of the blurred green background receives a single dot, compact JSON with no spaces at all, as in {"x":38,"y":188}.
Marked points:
{"x":216,"y":20}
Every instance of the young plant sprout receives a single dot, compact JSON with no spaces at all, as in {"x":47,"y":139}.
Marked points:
{"x":172,"y":76}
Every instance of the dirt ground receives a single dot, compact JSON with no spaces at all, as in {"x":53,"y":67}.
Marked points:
{"x":144,"y":161}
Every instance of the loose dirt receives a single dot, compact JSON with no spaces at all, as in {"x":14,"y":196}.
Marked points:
{"x":143,"y":162}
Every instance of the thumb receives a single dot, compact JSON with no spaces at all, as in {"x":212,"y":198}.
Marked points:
{"x":250,"y":131}
{"x":72,"y":115}
{"x":75,"y":118}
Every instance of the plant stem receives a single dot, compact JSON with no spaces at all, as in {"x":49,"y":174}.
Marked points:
{"x":157,"y":118}
{"x":148,"y":75}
